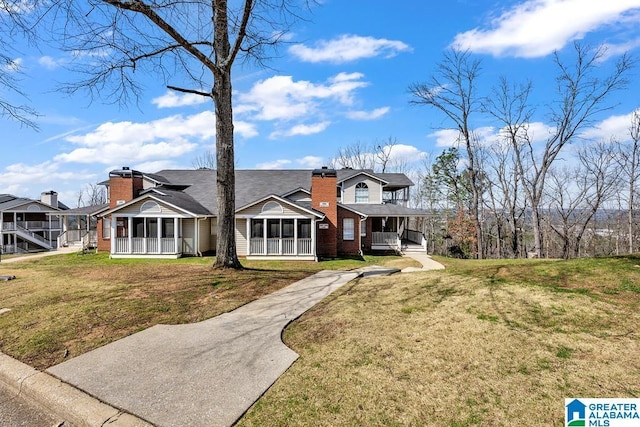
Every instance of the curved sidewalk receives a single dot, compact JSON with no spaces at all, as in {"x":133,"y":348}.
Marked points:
{"x":424,"y":259}
{"x":202,"y":374}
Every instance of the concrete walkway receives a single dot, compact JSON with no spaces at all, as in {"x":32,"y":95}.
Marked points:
{"x":424,"y":259}
{"x":203,"y":374}
{"x":59,"y":251}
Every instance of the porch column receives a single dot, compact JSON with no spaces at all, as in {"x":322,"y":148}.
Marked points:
{"x":175,"y":234}
{"x":295,"y":236}
{"x":264,"y":236}
{"x":144,"y":235}
{"x":130,"y":234}
{"x":113,"y":227}
{"x":248,"y":229}
{"x":159,"y":234}
{"x":313,"y":237}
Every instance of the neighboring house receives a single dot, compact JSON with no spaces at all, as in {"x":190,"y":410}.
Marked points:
{"x":28,"y":225}
{"x":285,"y":214}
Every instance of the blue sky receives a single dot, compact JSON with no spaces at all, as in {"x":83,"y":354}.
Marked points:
{"x":343,"y":79}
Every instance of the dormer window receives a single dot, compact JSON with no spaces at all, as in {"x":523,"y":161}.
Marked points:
{"x":362,"y":193}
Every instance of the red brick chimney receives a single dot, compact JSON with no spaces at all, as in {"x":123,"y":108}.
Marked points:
{"x":324,"y":198}
{"x":124,"y":185}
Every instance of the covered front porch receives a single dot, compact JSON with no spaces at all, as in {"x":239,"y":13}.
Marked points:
{"x":148,"y":236}
{"x":281,"y":238}
{"x":275,"y":228}
{"x":392,"y":233}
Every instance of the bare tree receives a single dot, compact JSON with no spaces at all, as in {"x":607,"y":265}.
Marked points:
{"x":629,"y":162}
{"x":452,"y":91}
{"x":192,"y":45}
{"x":12,"y":25}
{"x":509,"y":105}
{"x":377,"y":156}
{"x":206,"y":160}
{"x":92,"y":195}
{"x":581,"y":95}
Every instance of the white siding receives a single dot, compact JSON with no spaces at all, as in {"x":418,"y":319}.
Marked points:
{"x":188,"y":236}
{"x":204,"y":241}
{"x":287,"y":210}
{"x":299,"y":196}
{"x":134,"y":209}
{"x":349,"y":190}
{"x":241,"y":236}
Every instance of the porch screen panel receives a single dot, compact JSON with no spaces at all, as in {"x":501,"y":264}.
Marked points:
{"x":273,"y":236}
{"x":167,"y":228}
{"x":288,"y":242}
{"x":305,"y":246}
{"x":257,"y":228}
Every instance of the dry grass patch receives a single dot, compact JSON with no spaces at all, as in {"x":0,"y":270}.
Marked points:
{"x":65,"y":305}
{"x":439,"y":349}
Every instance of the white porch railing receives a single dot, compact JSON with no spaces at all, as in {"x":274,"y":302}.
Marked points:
{"x":386,"y":238}
{"x":305,"y":247}
{"x":141,"y":245}
{"x":280,"y":246}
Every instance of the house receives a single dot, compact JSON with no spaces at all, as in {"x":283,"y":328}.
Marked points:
{"x":28,"y":225}
{"x":284,"y":214}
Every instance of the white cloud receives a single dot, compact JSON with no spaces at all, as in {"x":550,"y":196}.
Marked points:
{"x":368,"y":115}
{"x":282,"y":98}
{"x":347,"y":48}
{"x":445,"y":137}
{"x":15,"y":66}
{"x":536,"y":28}
{"x":20,"y":178}
{"x":276,"y":164}
{"x":616,"y":127}
{"x":301,"y":129}
{"x":402,"y":153}
{"x":50,"y":63}
{"x":310,"y":161}
{"x":171,"y":100}
{"x":129,"y":142}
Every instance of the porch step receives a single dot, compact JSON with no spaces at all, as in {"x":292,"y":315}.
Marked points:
{"x":412,"y":247}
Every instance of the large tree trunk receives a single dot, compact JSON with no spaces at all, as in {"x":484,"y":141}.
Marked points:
{"x":226,"y":254}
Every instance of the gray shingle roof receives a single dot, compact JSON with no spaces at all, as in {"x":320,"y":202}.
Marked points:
{"x":385,"y":210}
{"x":252,"y":185}
{"x":9,"y":201}
{"x":179,"y":199}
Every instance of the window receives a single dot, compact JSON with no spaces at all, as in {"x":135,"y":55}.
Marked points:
{"x":362,"y":193}
{"x":272,"y":208}
{"x":150,"y":207}
{"x":348,"y":229}
{"x":363,"y":227}
{"x":106,"y":228}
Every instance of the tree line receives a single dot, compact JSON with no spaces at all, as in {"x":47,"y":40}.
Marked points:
{"x":519,"y":194}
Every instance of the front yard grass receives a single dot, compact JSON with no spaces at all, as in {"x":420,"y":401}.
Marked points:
{"x":484,"y":343}
{"x":65,"y":305}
